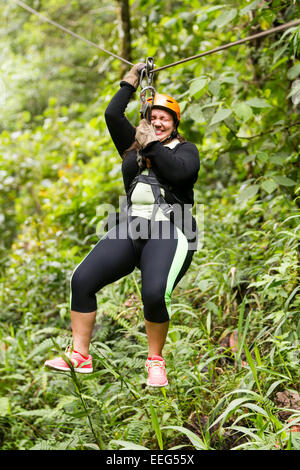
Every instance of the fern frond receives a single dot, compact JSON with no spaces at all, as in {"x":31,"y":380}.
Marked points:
{"x":135,"y":431}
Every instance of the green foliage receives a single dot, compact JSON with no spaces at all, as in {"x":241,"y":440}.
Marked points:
{"x":58,"y":168}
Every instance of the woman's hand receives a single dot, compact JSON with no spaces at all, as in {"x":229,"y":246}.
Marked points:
{"x":145,"y":133}
{"x":133,"y":76}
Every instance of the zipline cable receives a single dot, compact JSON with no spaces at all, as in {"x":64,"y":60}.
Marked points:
{"x":173,"y":64}
{"x":231,"y":44}
{"x":66,"y":30}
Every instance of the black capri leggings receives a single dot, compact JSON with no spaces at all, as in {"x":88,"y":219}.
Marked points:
{"x":161,"y":253}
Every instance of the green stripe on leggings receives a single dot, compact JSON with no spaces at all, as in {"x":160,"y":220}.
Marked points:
{"x":178,"y":260}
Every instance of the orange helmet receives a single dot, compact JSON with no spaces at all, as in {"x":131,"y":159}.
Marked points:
{"x":166,"y":102}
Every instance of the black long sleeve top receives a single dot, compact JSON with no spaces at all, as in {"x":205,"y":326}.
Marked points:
{"x":177,"y":167}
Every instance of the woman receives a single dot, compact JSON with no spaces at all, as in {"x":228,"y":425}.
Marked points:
{"x":159,"y":168}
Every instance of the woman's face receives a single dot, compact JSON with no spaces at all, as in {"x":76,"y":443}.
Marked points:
{"x":162,"y":122}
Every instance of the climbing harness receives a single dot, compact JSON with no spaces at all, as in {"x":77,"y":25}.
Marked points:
{"x":177,"y":212}
{"x":156,"y":187}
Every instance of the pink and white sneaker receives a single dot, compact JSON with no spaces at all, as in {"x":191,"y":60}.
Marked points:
{"x":157,"y":376}
{"x":81,"y":364}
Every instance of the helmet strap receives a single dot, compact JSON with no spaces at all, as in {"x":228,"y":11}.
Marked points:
{"x":172,"y":136}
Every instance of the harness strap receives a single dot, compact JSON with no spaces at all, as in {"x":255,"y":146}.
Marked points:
{"x":159,"y":201}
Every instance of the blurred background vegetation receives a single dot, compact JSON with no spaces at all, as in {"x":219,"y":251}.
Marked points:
{"x":233,"y":349}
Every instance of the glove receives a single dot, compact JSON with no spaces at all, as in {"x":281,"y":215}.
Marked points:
{"x":145,"y":133}
{"x":133,"y":76}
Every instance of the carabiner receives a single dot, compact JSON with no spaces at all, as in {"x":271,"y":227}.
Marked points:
{"x":145,"y":105}
{"x":147,"y":74}
{"x":149,"y":69}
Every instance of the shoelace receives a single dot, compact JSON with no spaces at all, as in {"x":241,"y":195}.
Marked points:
{"x":155,"y":363}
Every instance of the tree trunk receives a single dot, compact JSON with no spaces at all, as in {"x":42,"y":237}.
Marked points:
{"x":124,"y":33}
{"x":169,"y":7}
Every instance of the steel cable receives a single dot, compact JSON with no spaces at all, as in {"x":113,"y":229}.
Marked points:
{"x":231,"y":44}
{"x":173,"y":64}
{"x":66,"y":30}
